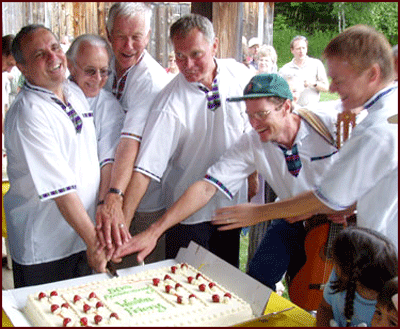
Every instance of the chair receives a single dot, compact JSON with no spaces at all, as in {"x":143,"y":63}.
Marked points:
{"x":345,"y":124}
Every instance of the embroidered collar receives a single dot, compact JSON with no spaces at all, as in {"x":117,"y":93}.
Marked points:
{"x":378,"y":96}
{"x":119,"y":85}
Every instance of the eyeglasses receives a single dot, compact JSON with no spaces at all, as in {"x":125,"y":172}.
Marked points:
{"x":261,"y":115}
{"x":91,"y":71}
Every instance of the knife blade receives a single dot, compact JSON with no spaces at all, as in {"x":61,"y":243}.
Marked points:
{"x":111,"y":270}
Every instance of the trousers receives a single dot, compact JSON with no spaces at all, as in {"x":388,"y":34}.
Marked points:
{"x":281,"y":250}
{"x":224,"y":244}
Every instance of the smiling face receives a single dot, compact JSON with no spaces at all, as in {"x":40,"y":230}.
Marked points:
{"x":195,"y":57}
{"x":90,"y":70}
{"x":128,"y":39}
{"x":44,"y":61}
{"x":352,"y":86}
{"x":265,"y":64}
{"x":266,"y":118}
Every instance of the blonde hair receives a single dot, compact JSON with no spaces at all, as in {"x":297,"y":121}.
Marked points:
{"x":362,"y":46}
{"x":268,"y":51}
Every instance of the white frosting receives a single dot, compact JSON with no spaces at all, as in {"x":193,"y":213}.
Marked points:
{"x":139,"y":302}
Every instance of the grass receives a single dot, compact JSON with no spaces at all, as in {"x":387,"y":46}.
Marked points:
{"x":244,"y":242}
{"x":327,"y":96}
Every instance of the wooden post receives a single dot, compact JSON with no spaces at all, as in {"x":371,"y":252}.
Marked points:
{"x":228,"y":26}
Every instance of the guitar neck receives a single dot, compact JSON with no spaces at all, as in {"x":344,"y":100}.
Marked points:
{"x":334,"y":230}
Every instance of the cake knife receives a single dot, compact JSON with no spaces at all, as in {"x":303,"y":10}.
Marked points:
{"x":111,"y":270}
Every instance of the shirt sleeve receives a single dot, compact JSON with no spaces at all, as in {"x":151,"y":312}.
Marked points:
{"x":111,"y":121}
{"x":233,"y":168}
{"x":363,"y":161}
{"x":44,"y":154}
{"x":161,"y":137}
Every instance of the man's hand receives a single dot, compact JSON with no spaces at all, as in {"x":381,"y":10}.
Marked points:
{"x":111,"y":227}
{"x":241,"y":215}
{"x":142,"y":243}
{"x":97,"y":259}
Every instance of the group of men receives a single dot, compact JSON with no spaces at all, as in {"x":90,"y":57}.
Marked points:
{"x":118,"y":161}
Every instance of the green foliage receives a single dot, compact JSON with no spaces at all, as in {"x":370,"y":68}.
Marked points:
{"x":316,"y":43}
{"x":319,"y":23}
{"x":381,"y":15}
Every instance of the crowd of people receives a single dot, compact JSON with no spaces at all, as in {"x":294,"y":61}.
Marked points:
{"x":126,"y":161}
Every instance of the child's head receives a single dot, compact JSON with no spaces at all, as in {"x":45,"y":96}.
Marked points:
{"x":386,"y":314}
{"x":363,"y":258}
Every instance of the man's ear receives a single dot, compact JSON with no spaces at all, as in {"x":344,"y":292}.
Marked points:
{"x":215,"y":46}
{"x":374,"y":73}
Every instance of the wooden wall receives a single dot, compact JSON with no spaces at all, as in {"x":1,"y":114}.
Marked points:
{"x":231,"y":20}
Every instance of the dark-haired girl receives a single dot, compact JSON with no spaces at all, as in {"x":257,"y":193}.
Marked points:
{"x":363,"y":261}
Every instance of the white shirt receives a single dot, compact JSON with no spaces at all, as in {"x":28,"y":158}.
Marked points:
{"x":313,"y":71}
{"x":142,"y":84}
{"x":108,"y":120}
{"x":183,"y":137}
{"x":249,"y":153}
{"x":47,"y":158}
{"x":366,"y":171}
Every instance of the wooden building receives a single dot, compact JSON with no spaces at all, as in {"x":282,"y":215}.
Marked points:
{"x":231,"y":20}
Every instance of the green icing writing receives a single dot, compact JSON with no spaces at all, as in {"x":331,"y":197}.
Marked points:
{"x":132,"y":305}
{"x":124,"y":290}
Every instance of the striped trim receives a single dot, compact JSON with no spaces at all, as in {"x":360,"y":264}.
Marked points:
{"x":56,"y":192}
{"x":148,"y":173}
{"x":106,"y":161}
{"x":323,"y":156}
{"x":325,"y":200}
{"x":72,"y":115}
{"x":87,"y":115}
{"x":139,"y":138}
{"x":220,"y":185}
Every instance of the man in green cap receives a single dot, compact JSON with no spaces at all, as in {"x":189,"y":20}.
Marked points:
{"x":290,"y":155}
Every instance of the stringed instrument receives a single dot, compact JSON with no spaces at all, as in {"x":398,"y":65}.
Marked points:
{"x":307,"y":287}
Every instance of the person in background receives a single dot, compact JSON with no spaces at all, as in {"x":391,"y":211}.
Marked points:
{"x":7,"y":58}
{"x":65,"y":42}
{"x":364,"y":261}
{"x":310,"y":70}
{"x":253,"y":49}
{"x":89,"y":58}
{"x":386,"y":310}
{"x":135,"y":81}
{"x":172,"y":68}
{"x":189,"y":128}
{"x":367,"y":166}
{"x":8,"y":62}
{"x":53,"y":168}
{"x":267,"y":59}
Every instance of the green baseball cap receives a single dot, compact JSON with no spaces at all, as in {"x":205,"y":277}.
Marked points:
{"x":265,"y":85}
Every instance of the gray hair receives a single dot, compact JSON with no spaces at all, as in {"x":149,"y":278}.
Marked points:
{"x":94,"y":40}
{"x":25,"y":31}
{"x":395,"y":51}
{"x":296,"y":38}
{"x":186,"y":24}
{"x":129,"y":9}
